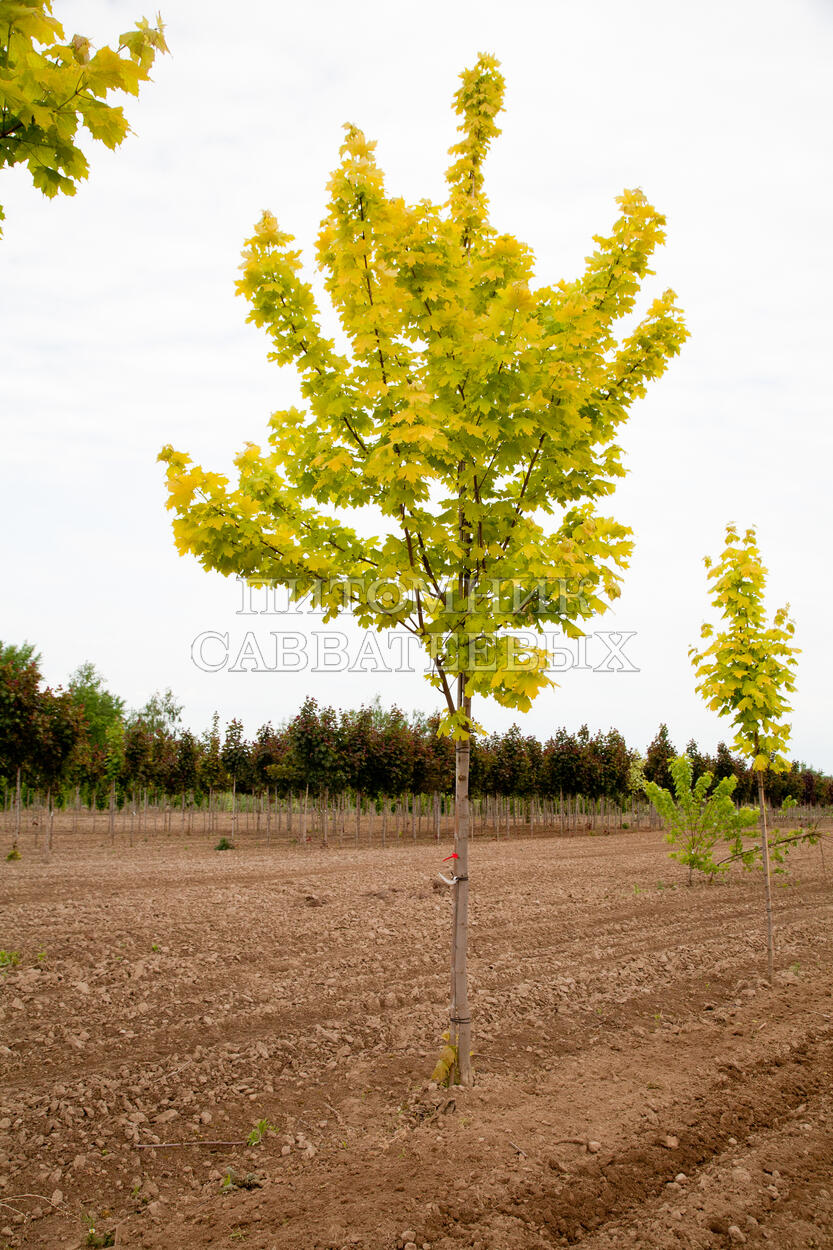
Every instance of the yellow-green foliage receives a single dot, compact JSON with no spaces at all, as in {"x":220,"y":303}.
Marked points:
{"x":50,"y":88}
{"x":749,"y":666}
{"x":446,"y":1064}
{"x":475,"y":411}
{"x":697,"y":820}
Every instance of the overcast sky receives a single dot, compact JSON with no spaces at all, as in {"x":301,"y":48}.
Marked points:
{"x":120,"y":331}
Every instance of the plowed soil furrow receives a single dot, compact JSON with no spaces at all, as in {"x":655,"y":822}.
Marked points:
{"x":639,"y":1083}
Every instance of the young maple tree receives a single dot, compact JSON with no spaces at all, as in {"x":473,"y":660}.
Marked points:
{"x":475,"y":411}
{"x":49,"y":89}
{"x":698,"y":820}
{"x":747,"y":671}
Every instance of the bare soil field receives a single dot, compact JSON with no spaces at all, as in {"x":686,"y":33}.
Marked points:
{"x":638,"y":1081}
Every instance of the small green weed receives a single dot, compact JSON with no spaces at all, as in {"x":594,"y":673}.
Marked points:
{"x":224,"y":845}
{"x":9,"y":959}
{"x":259,"y":1132}
{"x":232,"y":1181}
{"x":100,"y":1239}
{"x":95,"y":1239}
{"x":13,"y":854}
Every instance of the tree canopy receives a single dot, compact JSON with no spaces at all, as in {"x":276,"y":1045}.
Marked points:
{"x":473,"y":410}
{"x":50,"y":89}
{"x":748,"y":669}
{"x":103,"y":711}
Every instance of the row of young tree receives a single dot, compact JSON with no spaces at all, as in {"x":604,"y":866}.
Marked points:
{"x":83,"y":737}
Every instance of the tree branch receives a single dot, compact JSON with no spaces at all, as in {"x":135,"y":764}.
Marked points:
{"x":520,"y":499}
{"x":305,"y":347}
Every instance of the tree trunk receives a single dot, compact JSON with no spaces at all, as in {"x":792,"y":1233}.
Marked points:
{"x":767,"y":879}
{"x":49,"y":822}
{"x":460,"y":1016}
{"x":16,"y":812}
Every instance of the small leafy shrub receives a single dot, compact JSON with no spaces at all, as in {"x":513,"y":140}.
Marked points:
{"x":697,"y":821}
{"x":224,"y":845}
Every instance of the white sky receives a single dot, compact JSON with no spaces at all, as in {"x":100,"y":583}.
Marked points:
{"x":120,"y":331}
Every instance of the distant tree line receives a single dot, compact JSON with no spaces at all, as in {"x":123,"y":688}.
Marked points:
{"x":83,"y":738}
